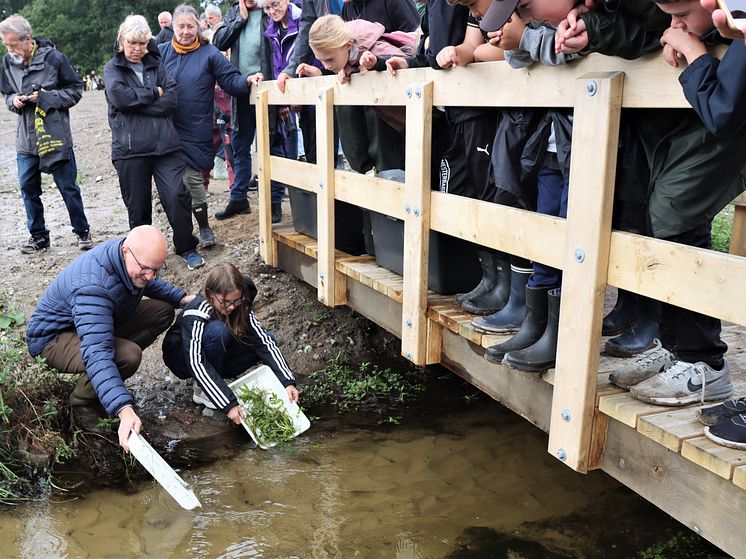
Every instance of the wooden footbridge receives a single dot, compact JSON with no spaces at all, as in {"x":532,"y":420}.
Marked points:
{"x":658,"y":452}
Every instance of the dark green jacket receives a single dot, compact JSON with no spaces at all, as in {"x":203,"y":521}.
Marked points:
{"x":693,"y":174}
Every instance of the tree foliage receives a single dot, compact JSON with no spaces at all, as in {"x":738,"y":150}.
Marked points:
{"x":85,"y":30}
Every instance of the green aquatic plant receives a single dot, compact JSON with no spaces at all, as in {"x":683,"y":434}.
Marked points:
{"x":266,"y":416}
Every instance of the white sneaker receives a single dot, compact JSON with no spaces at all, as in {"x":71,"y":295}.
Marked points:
{"x":685,"y":383}
{"x":646,"y":365}
{"x":199,"y":397}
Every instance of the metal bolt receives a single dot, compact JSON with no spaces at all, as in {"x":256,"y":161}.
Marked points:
{"x":418,"y":92}
{"x":320,"y":95}
{"x":565,"y":415}
{"x":407,"y":209}
{"x":622,"y":464}
{"x":321,"y":276}
{"x":409,"y":92}
{"x":409,"y":323}
{"x":561,"y":454}
{"x":591,"y":88}
{"x":321,"y":185}
{"x":321,"y":299}
{"x":409,"y":355}
{"x":579,"y":255}
{"x":417,"y":212}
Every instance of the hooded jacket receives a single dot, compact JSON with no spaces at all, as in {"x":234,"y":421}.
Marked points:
{"x":185,"y":336}
{"x":141,"y":120}
{"x":280,"y":52}
{"x":90,"y":295}
{"x":52,"y":72}
{"x":197,"y":72}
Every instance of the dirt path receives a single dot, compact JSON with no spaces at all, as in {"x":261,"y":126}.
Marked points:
{"x":308,"y":332}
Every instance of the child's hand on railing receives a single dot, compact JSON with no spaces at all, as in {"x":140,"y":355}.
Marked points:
{"x":307,"y":70}
{"x":367,"y":61}
{"x":683,"y":43}
{"x":396,"y":63}
{"x":671,"y":55}
{"x":255,"y":79}
{"x":343,"y":77}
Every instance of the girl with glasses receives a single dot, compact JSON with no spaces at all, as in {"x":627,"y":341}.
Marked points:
{"x":217,"y":337}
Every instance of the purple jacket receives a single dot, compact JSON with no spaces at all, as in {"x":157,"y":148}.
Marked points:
{"x":283,"y":51}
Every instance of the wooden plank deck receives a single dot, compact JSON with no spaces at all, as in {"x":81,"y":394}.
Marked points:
{"x":673,"y":430}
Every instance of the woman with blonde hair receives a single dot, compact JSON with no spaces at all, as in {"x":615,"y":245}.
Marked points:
{"x":145,"y":146}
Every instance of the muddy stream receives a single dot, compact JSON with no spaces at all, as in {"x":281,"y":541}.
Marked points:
{"x":464,"y":478}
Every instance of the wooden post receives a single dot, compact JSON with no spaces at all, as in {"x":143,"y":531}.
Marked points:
{"x":267,"y":248}
{"x":595,"y":138}
{"x":416,"y":221}
{"x":326,"y":156}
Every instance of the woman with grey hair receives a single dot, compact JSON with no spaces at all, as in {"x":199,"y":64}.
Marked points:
{"x":144,"y":143}
{"x":198,"y":65}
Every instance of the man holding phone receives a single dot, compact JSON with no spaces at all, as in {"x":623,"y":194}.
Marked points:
{"x":732,"y":26}
{"x":34,"y":67}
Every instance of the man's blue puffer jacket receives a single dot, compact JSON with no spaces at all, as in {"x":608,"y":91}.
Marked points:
{"x":90,"y":295}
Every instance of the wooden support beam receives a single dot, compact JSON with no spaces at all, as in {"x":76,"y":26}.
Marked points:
{"x":598,"y":100}
{"x":738,"y":231}
{"x":326,"y":151}
{"x":417,"y":221}
{"x":267,"y":247}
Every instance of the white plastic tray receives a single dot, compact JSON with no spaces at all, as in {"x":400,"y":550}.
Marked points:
{"x":263,"y":378}
{"x":162,"y":472}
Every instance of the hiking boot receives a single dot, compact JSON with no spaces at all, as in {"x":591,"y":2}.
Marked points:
{"x":193,"y":259}
{"x":199,"y":397}
{"x":234,"y":208}
{"x":717,"y":414}
{"x":84,"y":240}
{"x":685,"y":383}
{"x":34,"y":244}
{"x":276,"y":213}
{"x":646,"y":365}
{"x":730,"y":433}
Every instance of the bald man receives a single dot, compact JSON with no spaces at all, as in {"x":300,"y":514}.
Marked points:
{"x":93,"y":319}
{"x":166,"y":33}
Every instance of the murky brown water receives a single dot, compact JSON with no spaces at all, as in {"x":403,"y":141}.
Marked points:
{"x":473,"y":482}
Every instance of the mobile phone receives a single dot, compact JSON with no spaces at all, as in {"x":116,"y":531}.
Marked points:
{"x":735,"y":12}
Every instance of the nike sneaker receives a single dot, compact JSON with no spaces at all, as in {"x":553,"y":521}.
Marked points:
{"x":685,"y":383}
{"x":648,"y":364}
{"x":715,"y":414}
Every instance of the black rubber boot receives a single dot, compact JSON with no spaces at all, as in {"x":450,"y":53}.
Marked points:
{"x":532,"y":329}
{"x":497,"y":297}
{"x":642,"y":334}
{"x":623,"y":315}
{"x":510,"y":317}
{"x":276,"y":213}
{"x":206,"y":236}
{"x":234,"y":208}
{"x":541,"y":355}
{"x":489,"y":277}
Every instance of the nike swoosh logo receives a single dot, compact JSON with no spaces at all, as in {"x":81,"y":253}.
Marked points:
{"x":693,"y":387}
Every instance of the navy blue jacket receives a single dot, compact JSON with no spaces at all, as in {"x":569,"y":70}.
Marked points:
{"x":196,"y":74}
{"x":141,"y":120}
{"x":717,"y":90}
{"x":90,"y":295}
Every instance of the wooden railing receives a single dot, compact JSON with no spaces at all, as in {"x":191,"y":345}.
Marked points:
{"x":590,"y":254}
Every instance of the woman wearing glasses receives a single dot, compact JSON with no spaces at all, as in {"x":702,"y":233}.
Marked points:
{"x":217,"y":336}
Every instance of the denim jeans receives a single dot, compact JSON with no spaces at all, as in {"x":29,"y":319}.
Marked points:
{"x":551,"y":199}
{"x":241,"y":140}
{"x":29,"y":177}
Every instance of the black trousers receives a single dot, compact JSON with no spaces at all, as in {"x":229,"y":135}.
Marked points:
{"x":692,"y":336}
{"x":135,"y":178}
{"x":465,"y":166}
{"x":367,"y":141}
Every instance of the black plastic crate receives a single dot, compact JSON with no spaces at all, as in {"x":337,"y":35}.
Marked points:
{"x":348,"y":220}
{"x":453,"y":266}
